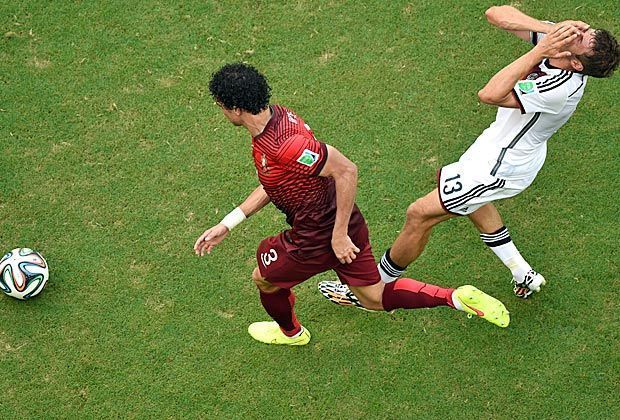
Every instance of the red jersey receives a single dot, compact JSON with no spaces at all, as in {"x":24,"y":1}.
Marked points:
{"x":288,"y":160}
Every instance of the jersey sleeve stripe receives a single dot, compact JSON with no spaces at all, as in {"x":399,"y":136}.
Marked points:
{"x":552,"y":80}
{"x":556,"y":84}
{"x":514,"y":93}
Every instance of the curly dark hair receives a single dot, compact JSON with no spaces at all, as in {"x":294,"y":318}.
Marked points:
{"x":240,"y":85}
{"x":605,"y":56}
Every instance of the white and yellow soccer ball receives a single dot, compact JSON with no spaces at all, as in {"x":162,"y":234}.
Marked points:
{"x":23,"y":273}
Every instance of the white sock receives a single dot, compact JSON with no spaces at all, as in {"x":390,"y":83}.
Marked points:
{"x":388,"y":269}
{"x":501,"y":244}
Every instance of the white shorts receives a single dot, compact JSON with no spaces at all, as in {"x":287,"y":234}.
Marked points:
{"x":463,"y":189}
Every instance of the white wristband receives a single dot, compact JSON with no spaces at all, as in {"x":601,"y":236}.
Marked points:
{"x":233,"y":218}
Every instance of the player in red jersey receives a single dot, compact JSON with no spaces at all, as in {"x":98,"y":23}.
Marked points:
{"x":314,"y":185}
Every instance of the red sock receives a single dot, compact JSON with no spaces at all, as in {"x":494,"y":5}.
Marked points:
{"x":279,"y":306}
{"x":411,"y":294}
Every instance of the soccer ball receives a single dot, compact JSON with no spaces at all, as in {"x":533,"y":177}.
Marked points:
{"x":23,"y":273}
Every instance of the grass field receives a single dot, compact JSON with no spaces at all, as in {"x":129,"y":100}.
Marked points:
{"x":114,"y":160}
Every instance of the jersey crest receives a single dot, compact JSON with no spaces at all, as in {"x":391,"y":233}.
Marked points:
{"x":263,"y":163}
{"x":535,"y":73}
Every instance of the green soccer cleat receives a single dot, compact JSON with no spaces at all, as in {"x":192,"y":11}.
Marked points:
{"x":476,"y":302}
{"x":269,"y":332}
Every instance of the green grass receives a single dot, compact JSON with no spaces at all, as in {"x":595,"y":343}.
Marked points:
{"x":114,"y":160}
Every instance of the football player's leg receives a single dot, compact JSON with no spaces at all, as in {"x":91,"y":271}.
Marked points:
{"x":361,"y":272}
{"x":364,"y":281}
{"x":421,"y":216}
{"x":403,"y":293}
{"x":279,"y":304}
{"x":371,"y":293}
{"x":495,"y":235}
{"x":275,"y":275}
{"x":408,"y":293}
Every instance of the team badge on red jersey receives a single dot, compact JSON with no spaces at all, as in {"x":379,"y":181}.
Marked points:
{"x":308,"y":157}
{"x":263,"y":162}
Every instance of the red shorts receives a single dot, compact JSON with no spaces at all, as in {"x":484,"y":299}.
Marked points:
{"x":283,"y":263}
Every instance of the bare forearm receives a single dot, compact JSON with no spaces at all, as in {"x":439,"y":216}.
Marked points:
{"x":499,"y":88}
{"x":346,"y":190}
{"x":512,"y":19}
{"x":255,"y":201}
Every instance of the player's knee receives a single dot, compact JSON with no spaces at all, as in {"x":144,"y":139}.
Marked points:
{"x":258,"y":279}
{"x":256,"y":275}
{"x":416,"y":213}
{"x":262,"y":283}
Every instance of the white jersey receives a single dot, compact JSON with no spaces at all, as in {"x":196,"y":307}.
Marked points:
{"x":514,"y":147}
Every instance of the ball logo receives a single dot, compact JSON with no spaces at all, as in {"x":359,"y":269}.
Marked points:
{"x":269,"y":257}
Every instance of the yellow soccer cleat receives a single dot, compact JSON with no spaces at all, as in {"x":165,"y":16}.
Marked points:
{"x":269,"y":332}
{"x":476,"y":302}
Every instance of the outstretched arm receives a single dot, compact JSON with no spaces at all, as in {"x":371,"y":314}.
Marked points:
{"x":344,"y":173}
{"x":216,"y":234}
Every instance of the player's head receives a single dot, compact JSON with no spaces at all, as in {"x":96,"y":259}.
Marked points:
{"x":597,"y":53}
{"x":240,"y":87}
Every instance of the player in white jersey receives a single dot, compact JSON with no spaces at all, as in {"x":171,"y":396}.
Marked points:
{"x":507,"y":156}
{"x":535,"y":95}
